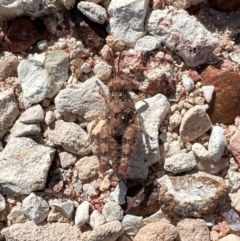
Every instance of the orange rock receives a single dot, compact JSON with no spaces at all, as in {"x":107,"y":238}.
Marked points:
{"x":224,"y":230}
{"x":225,"y":5}
{"x":225,"y":104}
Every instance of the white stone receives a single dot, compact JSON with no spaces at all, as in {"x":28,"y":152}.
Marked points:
{"x":32,"y":115}
{"x":152,"y":111}
{"x":42,"y":44}
{"x":147,"y":43}
{"x":181,"y":162}
{"x":208,"y":92}
{"x":102,"y":70}
{"x":82,"y":214}
{"x":200,"y":151}
{"x":158,"y":216}
{"x":174,"y":148}
{"x":187,"y":82}
{"x":31,"y":163}
{"x":96,"y":219}
{"x":2,"y":203}
{"x":119,"y":193}
{"x":49,"y":117}
{"x":66,"y":208}
{"x":174,"y":120}
{"x":23,"y":130}
{"x":127,"y":19}
{"x":112,"y":211}
{"x":217,"y":143}
{"x":234,"y":57}
{"x":230,"y":237}
{"x":36,"y":208}
{"x":85,"y":68}
{"x":40,"y":80}
{"x":89,"y":190}
{"x":131,"y":224}
{"x":192,"y":41}
{"x":234,"y":180}
{"x":93,"y":11}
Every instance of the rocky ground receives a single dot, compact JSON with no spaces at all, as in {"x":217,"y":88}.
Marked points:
{"x":181,"y":59}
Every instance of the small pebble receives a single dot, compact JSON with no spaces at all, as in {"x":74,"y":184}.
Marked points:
{"x":112,"y":211}
{"x":208,"y":92}
{"x":119,"y":193}
{"x":82,"y":214}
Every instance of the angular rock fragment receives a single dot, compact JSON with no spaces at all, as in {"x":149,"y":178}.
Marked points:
{"x":70,"y":136}
{"x":191,"y":195}
{"x":131,"y":224}
{"x":8,"y":111}
{"x":183,"y":34}
{"x":82,"y":214}
{"x":66,"y":208}
{"x":32,"y":115}
{"x":112,"y":211}
{"x":22,"y":130}
{"x":31,"y":163}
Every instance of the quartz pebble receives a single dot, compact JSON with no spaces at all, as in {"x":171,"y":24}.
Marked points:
{"x":112,"y":211}
{"x":131,"y":224}
{"x":82,"y":214}
{"x":208,"y":92}
{"x":147,"y":43}
{"x":187,"y":82}
{"x":66,"y":208}
{"x":119,"y":193}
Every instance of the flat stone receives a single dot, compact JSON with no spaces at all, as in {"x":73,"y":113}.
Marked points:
{"x":96,"y":219}
{"x":85,"y":101}
{"x":127,"y":19}
{"x":147,"y":43}
{"x":157,"y":231}
{"x":70,"y":136}
{"x":17,"y":215}
{"x":93,"y":11}
{"x":230,"y":237}
{"x":36,"y":208}
{"x":119,"y":193}
{"x":183,"y":34}
{"x":82,"y":214}
{"x":234,"y":145}
{"x":152,"y":111}
{"x":181,"y":162}
{"x":66,"y":208}
{"x":107,"y":232}
{"x":191,"y":195}
{"x":225,"y":5}
{"x":31,"y":163}
{"x":194,"y":123}
{"x":217,"y":143}
{"x":193,"y":229}
{"x":199,"y":151}
{"x":225,"y":103}
{"x":112,"y":211}
{"x":131,"y":224}
{"x":2,"y":203}
{"x":157,"y":216}
{"x":67,"y":159}
{"x":23,"y":130}
{"x":49,"y":231}
{"x":142,"y":201}
{"x":43,"y":76}
{"x":8,"y":111}
{"x":32,"y":115}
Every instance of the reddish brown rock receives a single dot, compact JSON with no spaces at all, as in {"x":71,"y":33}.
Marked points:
{"x":22,"y":33}
{"x":225,"y":5}
{"x":234,"y":145}
{"x":225,"y":104}
{"x":142,"y":201}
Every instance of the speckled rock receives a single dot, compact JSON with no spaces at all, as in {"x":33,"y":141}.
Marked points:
{"x":191,"y":195}
{"x":147,"y":43}
{"x":23,"y":130}
{"x":107,"y":232}
{"x":32,"y":115}
{"x":17,"y":215}
{"x":183,"y":34}
{"x":96,"y":219}
{"x":112,"y":211}
{"x":102,"y":70}
{"x":193,"y":229}
{"x":8,"y":111}
{"x":31,"y":163}
{"x":49,"y":231}
{"x":157,"y":231}
{"x":194,"y":123}
{"x":131,"y":224}
{"x":70,"y":136}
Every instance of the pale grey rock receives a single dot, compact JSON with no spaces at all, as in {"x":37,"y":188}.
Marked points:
{"x":180,"y":4}
{"x":66,"y":208}
{"x":183,"y":34}
{"x":70,"y":136}
{"x":208,"y":92}
{"x":234,"y":180}
{"x":193,"y":229}
{"x":96,"y":219}
{"x":217,"y":143}
{"x":166,"y":137}
{"x":8,"y":111}
{"x":187,"y":82}
{"x":119,"y":193}
{"x":230,"y":237}
{"x":67,"y":159}
{"x":32,"y":115}
{"x":49,"y":117}
{"x":127,"y":19}
{"x":191,"y":195}
{"x":181,"y":162}
{"x":2,"y":203}
{"x":31,"y":163}
{"x":131,"y":224}
{"x":85,"y":101}
{"x":152,"y":111}
{"x":102,"y":70}
{"x":68,"y":4}
{"x":82,"y":214}
{"x":23,"y":130}
{"x":43,"y":76}
{"x":147,"y":43}
{"x":194,"y":123}
{"x":42,"y":44}
{"x":232,"y":218}
{"x":107,"y":232}
{"x":200,"y":151}
{"x":174,"y":120}
{"x":93,"y":11}
{"x":174,"y":148}
{"x":49,"y":232}
{"x":158,"y":216}
{"x":235,"y":200}
{"x":17,"y":215}
{"x":89,"y":190}
{"x":112,"y":211}
{"x":10,"y":9}
{"x":87,"y":167}
{"x":36,"y":208}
